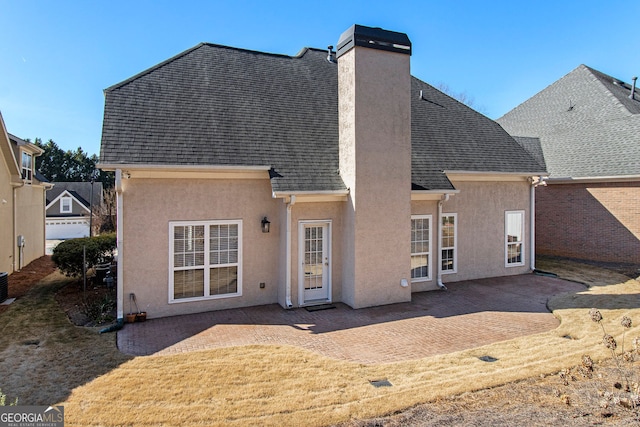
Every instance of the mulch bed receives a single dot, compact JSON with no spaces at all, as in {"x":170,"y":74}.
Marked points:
{"x":20,"y":282}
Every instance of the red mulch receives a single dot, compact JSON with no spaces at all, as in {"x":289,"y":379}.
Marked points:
{"x":20,"y":282}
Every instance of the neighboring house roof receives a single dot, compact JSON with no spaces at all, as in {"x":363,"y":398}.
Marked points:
{"x":586,"y":123}
{"x":29,"y":145}
{"x":81,"y":191}
{"x":217,"y":105}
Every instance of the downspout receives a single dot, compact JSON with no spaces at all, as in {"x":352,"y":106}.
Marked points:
{"x":119,"y":234}
{"x":292,"y":201}
{"x":445,"y":197}
{"x":15,"y":227}
{"x":532,"y":219}
{"x":532,"y":225}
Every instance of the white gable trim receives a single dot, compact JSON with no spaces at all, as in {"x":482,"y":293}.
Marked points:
{"x":66,"y":193}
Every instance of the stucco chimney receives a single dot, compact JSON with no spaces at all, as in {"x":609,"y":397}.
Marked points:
{"x":374,"y":104}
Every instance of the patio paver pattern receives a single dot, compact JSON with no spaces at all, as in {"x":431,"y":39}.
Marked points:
{"x":470,"y":314}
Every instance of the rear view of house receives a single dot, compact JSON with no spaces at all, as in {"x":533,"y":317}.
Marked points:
{"x":247,"y":178}
{"x":22,"y":196}
{"x":586,"y":127}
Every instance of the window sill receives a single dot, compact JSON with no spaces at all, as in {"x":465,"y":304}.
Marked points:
{"x":209,"y":298}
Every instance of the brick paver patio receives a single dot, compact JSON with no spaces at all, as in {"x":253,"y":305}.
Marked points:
{"x":470,"y":314}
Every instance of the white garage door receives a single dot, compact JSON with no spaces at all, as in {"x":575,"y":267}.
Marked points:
{"x":67,"y":228}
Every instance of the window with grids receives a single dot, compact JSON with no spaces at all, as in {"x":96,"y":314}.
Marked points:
{"x":449,"y":235}
{"x":420,"y":247}
{"x":514,"y":238}
{"x":27,"y":166}
{"x":205,"y":260}
{"x":65,"y":205}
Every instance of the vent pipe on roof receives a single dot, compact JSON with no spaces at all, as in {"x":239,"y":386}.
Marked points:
{"x":331,"y":55}
{"x":633,"y":87}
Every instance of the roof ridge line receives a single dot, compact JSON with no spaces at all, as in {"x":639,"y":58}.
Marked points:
{"x":609,"y":94}
{"x":155,"y":67}
{"x":300,"y":54}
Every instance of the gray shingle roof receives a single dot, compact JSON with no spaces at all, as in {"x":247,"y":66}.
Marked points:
{"x":587,"y":125}
{"x":533,"y":147}
{"x":217,"y":105}
{"x":79,"y":190}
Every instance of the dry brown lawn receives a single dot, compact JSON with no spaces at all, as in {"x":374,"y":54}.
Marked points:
{"x":48,"y":360}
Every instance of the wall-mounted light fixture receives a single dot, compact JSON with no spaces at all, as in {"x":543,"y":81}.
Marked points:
{"x":266,"y":225}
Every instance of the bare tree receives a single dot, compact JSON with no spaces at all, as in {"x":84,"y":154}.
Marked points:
{"x":463,"y":97}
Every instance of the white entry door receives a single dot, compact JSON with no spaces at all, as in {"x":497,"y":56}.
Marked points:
{"x":315,"y":258}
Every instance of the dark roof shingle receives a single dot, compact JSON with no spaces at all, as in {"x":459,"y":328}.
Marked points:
{"x":216,"y":105}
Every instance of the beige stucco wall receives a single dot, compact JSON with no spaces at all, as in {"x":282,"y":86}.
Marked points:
{"x":21,"y":212}
{"x":375,"y":164}
{"x":150,"y":204}
{"x":30,"y":222}
{"x":481,"y":210}
{"x":6,"y":218}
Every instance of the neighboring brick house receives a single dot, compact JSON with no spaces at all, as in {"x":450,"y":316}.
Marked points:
{"x":69,"y":208}
{"x":247,"y":178}
{"x":587,"y":127}
{"x":22,"y":200}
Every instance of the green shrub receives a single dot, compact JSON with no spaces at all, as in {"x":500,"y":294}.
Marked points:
{"x":68,"y":254}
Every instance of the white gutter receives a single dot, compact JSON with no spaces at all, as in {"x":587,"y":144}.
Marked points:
{"x":144,"y":166}
{"x":119,"y":234}
{"x":593,"y":179}
{"x":463,"y":172}
{"x":445,"y":197}
{"x":292,"y":201}
{"x":279,"y":194}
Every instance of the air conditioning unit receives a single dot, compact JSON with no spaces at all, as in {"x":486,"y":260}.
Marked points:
{"x":4,"y":286}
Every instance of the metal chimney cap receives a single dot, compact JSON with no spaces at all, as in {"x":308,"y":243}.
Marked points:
{"x":373,"y":38}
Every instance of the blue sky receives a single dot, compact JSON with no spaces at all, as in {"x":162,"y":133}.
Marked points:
{"x":56,"y":57}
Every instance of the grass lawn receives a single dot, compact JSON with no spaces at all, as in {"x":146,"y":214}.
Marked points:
{"x":45,"y":360}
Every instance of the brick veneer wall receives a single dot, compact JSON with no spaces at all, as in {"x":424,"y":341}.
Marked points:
{"x":598,"y":222}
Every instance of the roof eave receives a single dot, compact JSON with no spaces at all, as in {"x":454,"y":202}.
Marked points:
{"x":593,"y":179}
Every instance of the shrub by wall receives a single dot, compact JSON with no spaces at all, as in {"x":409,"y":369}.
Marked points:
{"x":68,"y":254}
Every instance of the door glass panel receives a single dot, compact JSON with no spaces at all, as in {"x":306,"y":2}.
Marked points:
{"x":313,"y":258}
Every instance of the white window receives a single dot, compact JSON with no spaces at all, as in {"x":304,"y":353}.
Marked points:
{"x":449,"y":227}
{"x":205,"y":260}
{"x":27,"y":166}
{"x":420,"y":248}
{"x":65,"y":205}
{"x":514,"y":238}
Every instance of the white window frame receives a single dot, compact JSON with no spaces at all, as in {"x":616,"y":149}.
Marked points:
{"x":429,"y":276}
{"x":207,"y":265}
{"x":518,"y":242}
{"x":62,"y":206}
{"x":27,"y":171}
{"x":455,"y":243}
